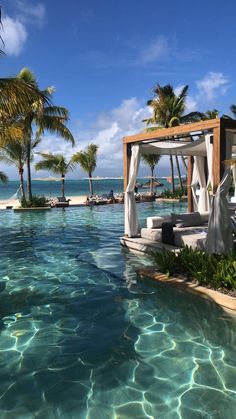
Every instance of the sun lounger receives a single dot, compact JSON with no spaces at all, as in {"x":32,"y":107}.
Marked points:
{"x":60,"y":202}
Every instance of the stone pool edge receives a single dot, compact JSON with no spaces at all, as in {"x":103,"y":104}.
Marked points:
{"x":227,"y":302}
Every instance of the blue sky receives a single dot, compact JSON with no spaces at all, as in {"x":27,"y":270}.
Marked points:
{"x":104,"y":57}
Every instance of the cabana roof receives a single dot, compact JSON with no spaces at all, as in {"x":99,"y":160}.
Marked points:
{"x":185,"y":140}
{"x":183,"y":148}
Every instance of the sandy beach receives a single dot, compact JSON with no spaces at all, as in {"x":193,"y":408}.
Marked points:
{"x":14,"y":203}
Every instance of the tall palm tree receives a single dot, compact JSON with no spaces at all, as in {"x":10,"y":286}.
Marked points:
{"x":151,"y":160}
{"x":88,"y":161}
{"x":15,"y":152}
{"x":44,"y":117}
{"x":56,"y":163}
{"x":168,"y":110}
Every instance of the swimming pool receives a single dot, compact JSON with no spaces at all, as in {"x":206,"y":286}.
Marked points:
{"x":81,"y":338}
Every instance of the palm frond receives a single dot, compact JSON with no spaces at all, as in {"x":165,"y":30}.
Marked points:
{"x":87,"y":159}
{"x":54,"y":125}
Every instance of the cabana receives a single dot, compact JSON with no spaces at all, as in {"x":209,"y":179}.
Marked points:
{"x":207,"y":144}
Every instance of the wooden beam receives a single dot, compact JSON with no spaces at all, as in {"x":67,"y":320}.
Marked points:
{"x":189,"y":181}
{"x":219,"y":153}
{"x":174,"y":131}
{"x":126,"y":163}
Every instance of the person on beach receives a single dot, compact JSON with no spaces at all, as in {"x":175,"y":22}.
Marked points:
{"x":111,"y":194}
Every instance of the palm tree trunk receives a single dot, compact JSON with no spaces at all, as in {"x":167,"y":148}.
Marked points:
{"x":22,"y":188}
{"x":90,"y":183}
{"x":151,"y":183}
{"x":172,"y":174}
{"x":63,"y":186}
{"x":28,"y":165}
{"x":179,"y":173}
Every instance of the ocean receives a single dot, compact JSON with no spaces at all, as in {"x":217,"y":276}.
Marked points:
{"x":73,"y":187}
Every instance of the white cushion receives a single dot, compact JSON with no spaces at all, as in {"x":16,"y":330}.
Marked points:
{"x":186,"y":219}
{"x":156,"y":222}
{"x":194,"y":240}
{"x":151,"y":234}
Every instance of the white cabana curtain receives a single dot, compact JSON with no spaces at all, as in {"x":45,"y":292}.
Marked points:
{"x":203,"y":202}
{"x":233,"y":168}
{"x":219,"y":235}
{"x":194,"y":185}
{"x":209,"y":150}
{"x":131,"y":217}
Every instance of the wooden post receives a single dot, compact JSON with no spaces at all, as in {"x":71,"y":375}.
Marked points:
{"x":219,"y":153}
{"x":126,"y":163}
{"x":189,"y":181}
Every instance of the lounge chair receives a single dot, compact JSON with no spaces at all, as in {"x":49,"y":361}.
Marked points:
{"x":60,"y":202}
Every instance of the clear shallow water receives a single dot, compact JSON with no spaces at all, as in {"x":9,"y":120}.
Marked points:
{"x":80,"y":339}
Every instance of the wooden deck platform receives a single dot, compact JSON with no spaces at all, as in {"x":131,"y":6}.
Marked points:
{"x":145,"y":246}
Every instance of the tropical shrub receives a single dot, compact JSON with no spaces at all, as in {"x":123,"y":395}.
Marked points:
{"x":36,"y":201}
{"x":166,"y":261}
{"x":177,"y":194}
{"x":218,"y":271}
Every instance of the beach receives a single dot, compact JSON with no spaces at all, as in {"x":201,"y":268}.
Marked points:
{"x":14,"y":203}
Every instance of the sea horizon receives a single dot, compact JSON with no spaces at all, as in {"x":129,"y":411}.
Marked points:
{"x":75,"y":187}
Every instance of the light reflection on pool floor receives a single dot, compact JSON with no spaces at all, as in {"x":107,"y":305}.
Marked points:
{"x":81,"y":338}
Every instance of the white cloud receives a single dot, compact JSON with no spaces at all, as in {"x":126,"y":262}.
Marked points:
{"x":212,"y":85}
{"x":107,"y":131}
{"x":15,"y":29}
{"x":14,"y":35}
{"x":29,"y":12}
{"x":191,"y":104}
{"x":157,"y":49}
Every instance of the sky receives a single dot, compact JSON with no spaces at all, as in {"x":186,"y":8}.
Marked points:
{"x":105,"y":56}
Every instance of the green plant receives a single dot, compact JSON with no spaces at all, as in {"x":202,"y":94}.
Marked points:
{"x":225,"y":274}
{"x":218,"y":271}
{"x":36,"y":201}
{"x":177,"y":194}
{"x":166,"y":261}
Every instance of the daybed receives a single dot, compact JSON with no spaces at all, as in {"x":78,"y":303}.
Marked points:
{"x":188,"y":229}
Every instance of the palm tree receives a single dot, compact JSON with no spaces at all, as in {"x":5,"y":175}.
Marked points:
{"x":151,"y":160}
{"x":88,"y":161}
{"x":168,"y":110}
{"x":56,"y":163}
{"x":3,"y":177}
{"x":211,"y":114}
{"x":15,"y":152}
{"x":44,"y":117}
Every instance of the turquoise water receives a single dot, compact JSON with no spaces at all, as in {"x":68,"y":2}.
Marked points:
{"x":72,"y":187}
{"x":80,"y":337}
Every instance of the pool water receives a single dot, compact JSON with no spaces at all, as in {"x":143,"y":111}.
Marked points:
{"x":81,"y":337}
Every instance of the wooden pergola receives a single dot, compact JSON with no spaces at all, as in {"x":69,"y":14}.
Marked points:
{"x":217,"y":127}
